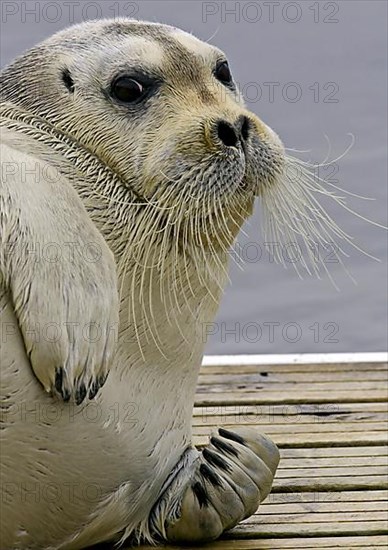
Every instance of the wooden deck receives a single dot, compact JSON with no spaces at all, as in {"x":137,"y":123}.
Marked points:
{"x":330,"y":422}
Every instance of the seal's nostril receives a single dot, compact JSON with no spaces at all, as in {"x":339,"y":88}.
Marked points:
{"x":227,"y":134}
{"x":245,"y":127}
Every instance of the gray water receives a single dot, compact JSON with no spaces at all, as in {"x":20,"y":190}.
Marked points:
{"x":328,"y":63}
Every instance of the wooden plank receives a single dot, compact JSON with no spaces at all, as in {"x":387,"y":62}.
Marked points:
{"x":289,"y":396}
{"x":330,"y":483}
{"x":288,"y":410}
{"x":338,"y":386}
{"x":339,"y":528}
{"x":333,"y":497}
{"x":325,"y":463}
{"x":319,"y":419}
{"x":296,"y":428}
{"x":334,"y":470}
{"x":258,"y":376}
{"x":301,"y":510}
{"x":315,"y":439}
{"x":306,"y":368}
{"x":333,"y":452}
{"x":347,"y":516}
{"x":348,"y":543}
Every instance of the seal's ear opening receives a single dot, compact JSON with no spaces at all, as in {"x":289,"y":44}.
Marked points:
{"x":68,"y":81}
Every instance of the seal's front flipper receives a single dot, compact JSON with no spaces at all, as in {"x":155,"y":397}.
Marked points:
{"x":59,"y":273}
{"x":212,"y":491}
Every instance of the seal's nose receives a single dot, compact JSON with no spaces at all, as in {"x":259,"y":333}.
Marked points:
{"x":227,"y":133}
{"x":232,"y":134}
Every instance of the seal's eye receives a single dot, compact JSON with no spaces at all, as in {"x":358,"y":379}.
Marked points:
{"x":127,"y":90}
{"x":222,"y":73}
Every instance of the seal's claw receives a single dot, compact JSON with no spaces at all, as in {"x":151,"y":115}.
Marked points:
{"x":96,"y":385}
{"x":260,"y":444}
{"x":199,"y":519}
{"x":80,"y":394}
{"x":231,"y":435}
{"x":79,"y":390}
{"x":212,"y":491}
{"x":256,"y":455}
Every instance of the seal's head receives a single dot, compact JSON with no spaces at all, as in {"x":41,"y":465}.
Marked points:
{"x":173,"y":153}
{"x":160,"y":108}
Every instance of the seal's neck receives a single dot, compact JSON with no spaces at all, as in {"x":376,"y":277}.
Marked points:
{"x":76,"y":159}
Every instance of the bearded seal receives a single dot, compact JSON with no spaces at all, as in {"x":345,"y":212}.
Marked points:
{"x":131,"y":137}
